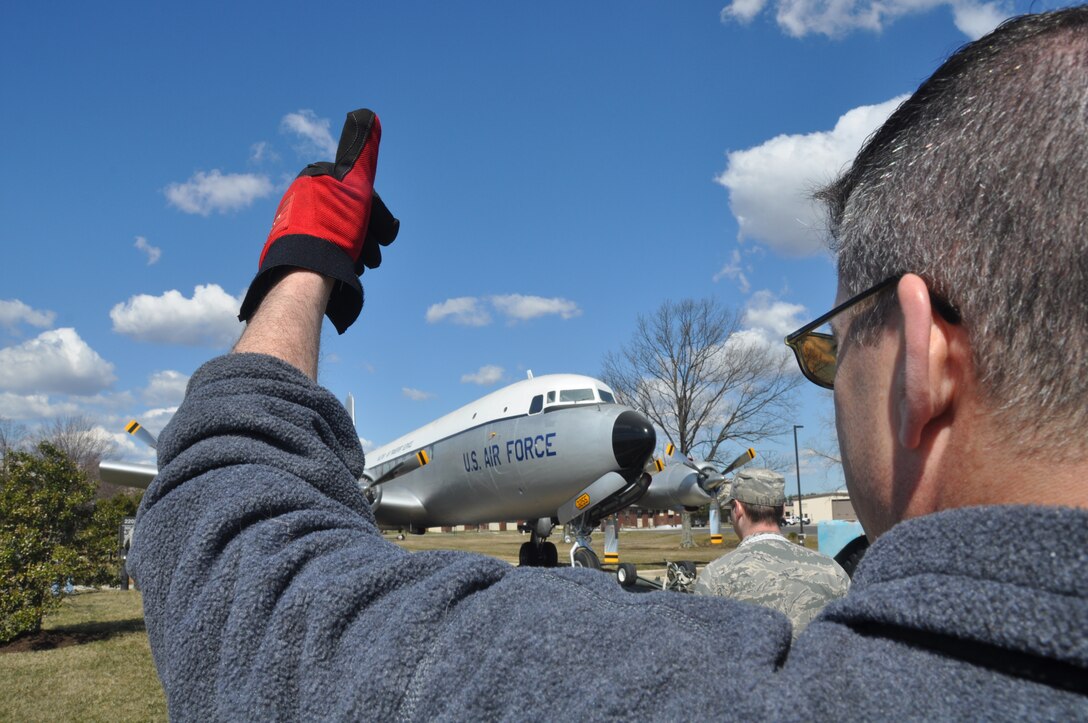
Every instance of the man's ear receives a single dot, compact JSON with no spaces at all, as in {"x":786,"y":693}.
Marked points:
{"x":927,"y":379}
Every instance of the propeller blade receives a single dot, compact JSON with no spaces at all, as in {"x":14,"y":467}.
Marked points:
{"x":656,"y":464}
{"x":715,"y":523}
{"x":141,"y":434}
{"x":405,"y":464}
{"x":747,"y":456}
{"x":349,"y":404}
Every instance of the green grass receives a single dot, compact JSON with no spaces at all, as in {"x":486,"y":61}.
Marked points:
{"x":101,"y":669}
{"x":650,"y":548}
{"x":645,"y":548}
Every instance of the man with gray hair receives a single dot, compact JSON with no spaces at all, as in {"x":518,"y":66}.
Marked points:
{"x":959,"y":361}
{"x":766,"y":568}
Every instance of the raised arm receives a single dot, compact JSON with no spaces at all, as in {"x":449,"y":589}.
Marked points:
{"x":288,"y":323}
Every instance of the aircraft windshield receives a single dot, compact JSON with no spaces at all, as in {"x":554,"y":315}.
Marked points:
{"x":576,"y":395}
{"x":607,"y":396}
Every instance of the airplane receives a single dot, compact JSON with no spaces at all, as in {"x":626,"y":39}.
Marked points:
{"x":552,"y":449}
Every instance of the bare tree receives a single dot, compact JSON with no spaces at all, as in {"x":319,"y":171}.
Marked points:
{"x":80,"y":439}
{"x":772,"y":459}
{"x":826,"y":450}
{"x":703,"y":380}
{"x":12,"y":436}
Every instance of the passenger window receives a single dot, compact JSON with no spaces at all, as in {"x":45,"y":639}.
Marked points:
{"x":537,"y":404}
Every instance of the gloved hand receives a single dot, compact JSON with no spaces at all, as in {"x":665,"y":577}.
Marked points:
{"x":331,"y":221}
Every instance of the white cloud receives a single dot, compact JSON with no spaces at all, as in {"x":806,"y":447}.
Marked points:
{"x":154,"y":253}
{"x":733,"y":270}
{"x":14,"y":312}
{"x":770,"y":185}
{"x":261,"y":152}
{"x":416,"y":395}
{"x":314,"y":132}
{"x":766,"y":312}
{"x":743,"y":10}
{"x":166,"y":388}
{"x":768,"y":320}
{"x":216,"y":191}
{"x":209,"y":318}
{"x":473,"y":311}
{"x":463,"y":310}
{"x":517,"y":307}
{"x":977,"y":19}
{"x":55,"y":361}
{"x":34,"y":406}
{"x":835,"y":18}
{"x":484,"y":376}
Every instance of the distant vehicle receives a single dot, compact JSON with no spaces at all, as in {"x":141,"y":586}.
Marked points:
{"x":790,"y":520}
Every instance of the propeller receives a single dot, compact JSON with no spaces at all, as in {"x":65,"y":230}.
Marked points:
{"x":710,"y":479}
{"x":136,"y":430}
{"x":745,"y":457}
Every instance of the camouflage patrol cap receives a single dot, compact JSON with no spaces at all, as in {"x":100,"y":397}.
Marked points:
{"x":759,"y":487}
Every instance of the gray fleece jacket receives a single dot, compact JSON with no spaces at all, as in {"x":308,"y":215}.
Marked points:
{"x":269,"y":593}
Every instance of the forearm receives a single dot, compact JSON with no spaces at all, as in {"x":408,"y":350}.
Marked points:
{"x":287,"y":325}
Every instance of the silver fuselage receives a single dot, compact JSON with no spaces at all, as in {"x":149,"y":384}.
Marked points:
{"x":516,"y":468}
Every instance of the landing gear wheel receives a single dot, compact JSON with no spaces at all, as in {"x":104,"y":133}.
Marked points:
{"x":527,"y":555}
{"x":626,"y":575}
{"x":585,"y":557}
{"x":549,"y":555}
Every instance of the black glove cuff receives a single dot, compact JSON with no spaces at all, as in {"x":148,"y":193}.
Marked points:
{"x":302,"y":251}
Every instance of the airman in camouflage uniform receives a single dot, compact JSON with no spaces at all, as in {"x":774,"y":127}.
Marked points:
{"x":766,"y":568}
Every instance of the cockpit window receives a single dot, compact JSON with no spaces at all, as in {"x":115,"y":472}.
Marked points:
{"x":576,"y":395}
{"x":607,"y":397}
{"x":551,"y":397}
{"x":537,"y":404}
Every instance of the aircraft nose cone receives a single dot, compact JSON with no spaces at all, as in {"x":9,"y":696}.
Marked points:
{"x":633,"y":439}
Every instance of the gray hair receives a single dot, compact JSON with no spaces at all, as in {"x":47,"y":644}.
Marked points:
{"x":979,"y":184}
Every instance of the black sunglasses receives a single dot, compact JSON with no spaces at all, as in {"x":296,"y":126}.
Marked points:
{"x":817,"y":352}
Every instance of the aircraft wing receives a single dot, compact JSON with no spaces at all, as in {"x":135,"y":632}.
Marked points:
{"x":127,"y":474}
{"x":398,"y":508}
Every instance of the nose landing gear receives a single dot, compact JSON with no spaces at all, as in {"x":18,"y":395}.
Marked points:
{"x":538,"y":552}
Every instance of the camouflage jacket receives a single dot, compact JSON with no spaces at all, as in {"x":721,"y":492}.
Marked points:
{"x":769,"y":570}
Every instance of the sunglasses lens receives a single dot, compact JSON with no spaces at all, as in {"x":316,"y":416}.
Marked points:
{"x":817,"y":354}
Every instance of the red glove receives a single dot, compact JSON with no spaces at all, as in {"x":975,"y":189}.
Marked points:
{"x":331,"y":221}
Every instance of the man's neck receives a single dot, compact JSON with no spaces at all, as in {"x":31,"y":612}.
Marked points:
{"x":981,"y":467}
{"x":759,"y":529}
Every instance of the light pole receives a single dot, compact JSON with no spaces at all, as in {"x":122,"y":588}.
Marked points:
{"x":797,"y":461}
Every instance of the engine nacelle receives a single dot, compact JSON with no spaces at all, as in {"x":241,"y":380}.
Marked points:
{"x":675,"y":487}
{"x":371,"y":491}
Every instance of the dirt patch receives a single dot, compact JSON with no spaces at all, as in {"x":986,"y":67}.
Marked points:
{"x":75,"y":635}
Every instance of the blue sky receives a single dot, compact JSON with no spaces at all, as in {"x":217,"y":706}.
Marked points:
{"x":558,"y":168}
